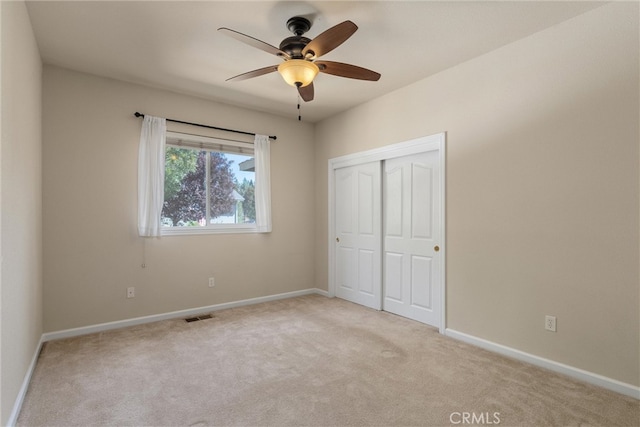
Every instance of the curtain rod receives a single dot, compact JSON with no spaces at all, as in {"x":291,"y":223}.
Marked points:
{"x":209,"y":127}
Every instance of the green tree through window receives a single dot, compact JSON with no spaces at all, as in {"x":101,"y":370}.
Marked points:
{"x":186,"y":188}
{"x":247,"y":190}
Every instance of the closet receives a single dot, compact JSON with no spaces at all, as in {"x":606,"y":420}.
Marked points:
{"x":386,"y":223}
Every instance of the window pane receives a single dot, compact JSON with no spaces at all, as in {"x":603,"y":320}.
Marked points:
{"x":192,"y":175}
{"x":184,"y":188}
{"x":232,"y":183}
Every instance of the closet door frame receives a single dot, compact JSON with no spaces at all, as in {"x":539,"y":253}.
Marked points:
{"x":414,"y":146}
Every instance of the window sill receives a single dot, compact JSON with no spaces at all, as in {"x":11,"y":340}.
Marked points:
{"x":191,"y":231}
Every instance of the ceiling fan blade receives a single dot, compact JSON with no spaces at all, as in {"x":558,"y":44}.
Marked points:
{"x":347,"y":70}
{"x":254,"y":73}
{"x":306,"y":93}
{"x":330,"y":39}
{"x":252,"y":41}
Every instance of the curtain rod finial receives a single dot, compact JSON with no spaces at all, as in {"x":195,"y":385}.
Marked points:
{"x":138,"y":114}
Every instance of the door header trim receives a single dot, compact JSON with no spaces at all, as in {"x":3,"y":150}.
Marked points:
{"x":414,"y":146}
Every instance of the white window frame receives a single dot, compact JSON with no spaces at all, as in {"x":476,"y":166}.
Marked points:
{"x":208,"y":144}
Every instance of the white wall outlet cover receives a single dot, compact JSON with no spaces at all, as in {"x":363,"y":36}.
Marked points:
{"x":550,"y":323}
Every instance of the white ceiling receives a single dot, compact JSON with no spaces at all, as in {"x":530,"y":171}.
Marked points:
{"x":174,"y":45}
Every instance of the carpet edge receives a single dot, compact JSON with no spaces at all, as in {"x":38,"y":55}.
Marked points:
{"x":118,"y":324}
{"x":17,"y":406}
{"x":571,"y":371}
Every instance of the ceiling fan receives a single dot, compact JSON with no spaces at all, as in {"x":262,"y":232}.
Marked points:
{"x":300,"y":54}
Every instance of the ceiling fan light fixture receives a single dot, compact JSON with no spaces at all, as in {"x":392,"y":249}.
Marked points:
{"x":298,"y":72}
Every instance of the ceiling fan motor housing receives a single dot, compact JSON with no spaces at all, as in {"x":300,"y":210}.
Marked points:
{"x":295,"y":44}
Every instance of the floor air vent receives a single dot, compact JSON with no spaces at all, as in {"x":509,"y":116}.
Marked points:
{"x":196,"y":318}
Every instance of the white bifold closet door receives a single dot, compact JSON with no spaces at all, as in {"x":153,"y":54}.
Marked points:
{"x":411,"y":237}
{"x":358,"y":234}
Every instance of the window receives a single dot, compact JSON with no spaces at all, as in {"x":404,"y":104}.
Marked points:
{"x":209,"y":186}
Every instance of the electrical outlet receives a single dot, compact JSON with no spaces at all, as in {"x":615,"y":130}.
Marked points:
{"x":212,"y":282}
{"x":550,"y":323}
{"x":131,"y":292}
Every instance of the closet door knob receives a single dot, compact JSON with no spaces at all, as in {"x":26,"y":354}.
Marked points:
{"x":436,"y":248}
{"x":338,"y":239}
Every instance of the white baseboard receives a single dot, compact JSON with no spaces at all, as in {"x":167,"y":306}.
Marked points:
{"x":84,"y":330}
{"x":322,"y":292}
{"x":580,"y":374}
{"x":13,"y":417}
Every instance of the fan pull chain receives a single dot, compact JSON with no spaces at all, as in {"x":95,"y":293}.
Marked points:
{"x":299,"y":115}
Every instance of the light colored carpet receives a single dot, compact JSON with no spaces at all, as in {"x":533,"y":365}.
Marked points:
{"x":303,"y":361}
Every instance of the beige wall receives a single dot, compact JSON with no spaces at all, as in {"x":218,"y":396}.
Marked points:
{"x":542,"y":196}
{"x":21,"y":202}
{"x":542,"y":187}
{"x":91,"y":249}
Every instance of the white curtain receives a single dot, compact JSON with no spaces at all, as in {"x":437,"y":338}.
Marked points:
{"x":262,"y":150}
{"x":151,"y":175}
